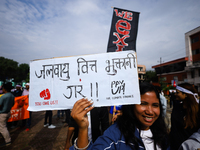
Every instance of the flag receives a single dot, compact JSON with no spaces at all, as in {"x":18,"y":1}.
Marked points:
{"x":174,"y":83}
{"x":123,"y":31}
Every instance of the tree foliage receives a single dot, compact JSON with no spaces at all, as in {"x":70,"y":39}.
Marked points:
{"x":9,"y":69}
{"x":23,"y":71}
{"x":168,"y":88}
{"x":151,"y":76}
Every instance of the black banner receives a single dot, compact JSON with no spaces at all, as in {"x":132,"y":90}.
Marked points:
{"x":123,"y":31}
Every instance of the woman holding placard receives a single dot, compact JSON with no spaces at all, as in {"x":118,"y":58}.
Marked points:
{"x":141,"y":126}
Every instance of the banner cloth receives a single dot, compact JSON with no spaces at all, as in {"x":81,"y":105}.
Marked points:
{"x":123,"y":32}
{"x":19,"y":110}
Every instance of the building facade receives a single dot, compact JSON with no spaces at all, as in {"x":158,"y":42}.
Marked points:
{"x":141,"y":72}
{"x":192,"y":44}
{"x":185,"y":69}
{"x":172,"y":70}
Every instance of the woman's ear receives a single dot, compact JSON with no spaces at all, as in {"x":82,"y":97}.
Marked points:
{"x":185,"y":95}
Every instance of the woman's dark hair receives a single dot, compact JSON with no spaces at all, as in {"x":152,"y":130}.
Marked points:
{"x":128,"y":122}
{"x":191,"y":107}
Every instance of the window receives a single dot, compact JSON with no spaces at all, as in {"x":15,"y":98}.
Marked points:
{"x":192,"y":74}
{"x":140,"y":69}
{"x":176,"y":78}
{"x":183,"y":77}
{"x":199,"y":72}
{"x":196,"y":51}
{"x":195,"y":39}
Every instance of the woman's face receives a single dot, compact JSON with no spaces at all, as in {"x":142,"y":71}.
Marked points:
{"x":148,"y":111}
{"x":180,"y":96}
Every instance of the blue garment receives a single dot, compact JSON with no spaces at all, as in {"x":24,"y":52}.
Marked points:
{"x":118,"y":107}
{"x":112,"y":139}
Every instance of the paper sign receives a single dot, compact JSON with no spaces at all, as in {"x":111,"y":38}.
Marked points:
{"x":108,"y":79}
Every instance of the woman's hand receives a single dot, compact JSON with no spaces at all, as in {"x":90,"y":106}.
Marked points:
{"x":79,"y":112}
{"x":115,"y":116}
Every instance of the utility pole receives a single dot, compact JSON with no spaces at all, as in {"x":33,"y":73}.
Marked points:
{"x":160,"y":72}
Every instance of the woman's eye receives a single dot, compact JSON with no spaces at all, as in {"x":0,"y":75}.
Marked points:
{"x":156,"y":105}
{"x":143,"y":103}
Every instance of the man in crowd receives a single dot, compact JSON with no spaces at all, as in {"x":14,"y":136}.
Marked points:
{"x":163,"y":100}
{"x":18,"y":91}
{"x":6,"y":103}
{"x":26,"y":90}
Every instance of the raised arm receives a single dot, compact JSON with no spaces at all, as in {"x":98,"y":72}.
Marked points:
{"x":79,"y":113}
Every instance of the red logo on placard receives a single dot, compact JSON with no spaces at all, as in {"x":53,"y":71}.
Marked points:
{"x":45,"y":94}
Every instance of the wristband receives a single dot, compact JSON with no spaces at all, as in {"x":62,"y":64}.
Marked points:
{"x":75,"y":145}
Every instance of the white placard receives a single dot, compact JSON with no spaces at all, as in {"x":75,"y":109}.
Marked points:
{"x":108,"y":79}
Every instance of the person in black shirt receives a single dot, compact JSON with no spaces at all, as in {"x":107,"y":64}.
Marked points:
{"x":18,"y":91}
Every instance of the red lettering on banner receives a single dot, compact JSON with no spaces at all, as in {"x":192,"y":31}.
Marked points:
{"x":45,"y":103}
{"x":54,"y":102}
{"x":120,"y":39}
{"x":122,"y":27}
{"x":119,"y":47}
{"x":126,"y":27}
{"x":37,"y":103}
{"x":127,"y":15}
{"x":119,"y":14}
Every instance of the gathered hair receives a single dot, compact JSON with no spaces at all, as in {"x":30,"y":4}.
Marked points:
{"x":128,"y":123}
{"x":191,"y":107}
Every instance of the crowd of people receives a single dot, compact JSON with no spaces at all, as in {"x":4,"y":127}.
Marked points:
{"x":6,"y":103}
{"x":8,"y":94}
{"x":136,"y":126}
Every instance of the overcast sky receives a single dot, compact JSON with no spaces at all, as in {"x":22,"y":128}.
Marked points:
{"x":38,"y":29}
